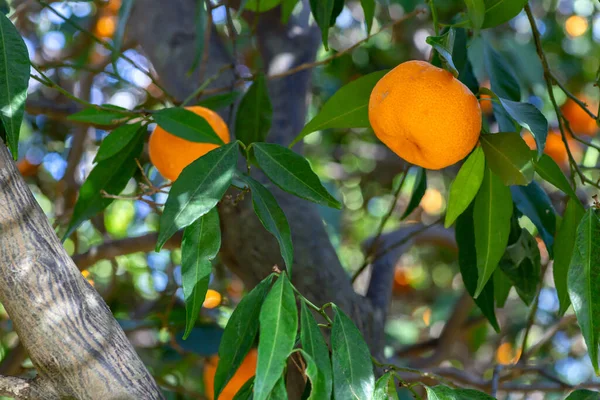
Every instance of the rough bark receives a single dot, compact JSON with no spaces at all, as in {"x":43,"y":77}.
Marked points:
{"x":75,"y":344}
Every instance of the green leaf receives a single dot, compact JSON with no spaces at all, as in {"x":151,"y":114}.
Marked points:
{"x":529,"y":117}
{"x":99,"y":116}
{"x":322,"y":10}
{"x":245,"y":392}
{"x":239,"y":334}
{"x":117,"y":140}
{"x":521,"y":265}
{"x":441,"y":392}
{"x":287,"y":7}
{"x":253,"y":119}
{"x":443,"y":45}
{"x":502,"y":287}
{"x":292,"y":173}
{"x":201,"y":22}
{"x":219,"y":101}
{"x":278,"y":325}
{"x":279,"y":392}
{"x":314,"y":345}
{"x":563,"y":250}
{"x":320,"y":385}
{"x":186,"y":125}
{"x":352,"y":367}
{"x":467,"y":261}
{"x":465,"y":186}
{"x":110,"y":176}
{"x":14,"y":78}
{"x":338,"y":7}
{"x":509,"y":157}
{"x":384,"y":388}
{"x":583,"y":394}
{"x":273,"y":219}
{"x":476,"y":12}
{"x":368,"y":7}
{"x":584,"y":280}
{"x":124,"y":13}
{"x":533,"y":201}
{"x":491,"y":216}
{"x":4,"y":7}
{"x":461,"y":60}
{"x":199,"y":188}
{"x":502,"y":76}
{"x":419,"y":189}
{"x":258,"y":5}
{"x":201,"y":243}
{"x":548,"y":170}
{"x":500,"y":11}
{"x":347,"y":108}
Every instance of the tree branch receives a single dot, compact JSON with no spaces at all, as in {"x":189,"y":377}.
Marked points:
{"x":15,"y":387}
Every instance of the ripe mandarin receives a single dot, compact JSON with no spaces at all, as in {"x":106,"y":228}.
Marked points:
{"x":425,"y":115}
{"x":555,"y":147}
{"x":212,"y":299}
{"x":170,"y":154}
{"x":246,"y":371}
{"x":579,"y":121}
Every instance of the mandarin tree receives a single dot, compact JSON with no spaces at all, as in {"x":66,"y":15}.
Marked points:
{"x":303,"y":199}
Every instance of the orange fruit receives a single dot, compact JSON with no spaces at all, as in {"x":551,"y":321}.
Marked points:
{"x":507,"y":355}
{"x":105,"y":27}
{"x":579,"y":121}
{"x":114,"y":6}
{"x":171,"y":154}
{"x":246,"y":371}
{"x":555,"y":147}
{"x":485,"y":101}
{"x":26,"y":168}
{"x":212,"y":299}
{"x":425,"y":115}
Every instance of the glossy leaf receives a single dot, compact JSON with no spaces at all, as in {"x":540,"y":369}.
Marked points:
{"x":502,"y":287}
{"x":352,"y":367}
{"x":563,"y":250}
{"x":476,"y":12}
{"x":292,"y":173}
{"x":14,"y":80}
{"x":502,"y":77}
{"x":529,"y":117}
{"x":509,"y":157}
{"x":583,"y":394}
{"x":110,"y":176}
{"x":548,"y":170}
{"x":124,"y":13}
{"x":320,"y":385}
{"x":584,"y":281}
{"x":443,"y":45}
{"x":278,"y":325}
{"x":347,"y":108}
{"x":279,"y":392}
{"x":239,"y":334}
{"x":533,"y":202}
{"x":465,"y":186}
{"x":199,"y":188}
{"x":117,"y":140}
{"x":219,"y":101}
{"x":441,"y":392}
{"x":521,"y":265}
{"x":253,"y":118}
{"x":499,"y":12}
{"x":273,"y":219}
{"x":321,"y":11}
{"x":186,"y":125}
{"x":314,"y":345}
{"x":467,"y":261}
{"x":491,"y":216}
{"x":200,"y":245}
{"x":419,"y":189}
{"x":385,"y":388}
{"x":245,"y":392}
{"x":368,"y":7}
{"x":104,"y":116}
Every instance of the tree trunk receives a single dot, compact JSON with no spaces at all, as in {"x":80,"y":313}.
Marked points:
{"x":77,"y":347}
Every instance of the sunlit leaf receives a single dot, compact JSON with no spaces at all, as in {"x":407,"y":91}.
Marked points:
{"x":385,"y":388}
{"x":583,"y":394}
{"x":529,"y":117}
{"x":465,"y":186}
{"x":314,"y":345}
{"x":106,"y":115}
{"x":117,"y":140}
{"x":186,"y":125}
{"x":548,"y":170}
{"x":499,"y":12}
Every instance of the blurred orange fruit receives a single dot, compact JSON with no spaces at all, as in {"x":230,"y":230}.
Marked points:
{"x":555,"y":147}
{"x":114,"y":6}
{"x":432,"y":201}
{"x":485,"y":101}
{"x":212,"y":299}
{"x":425,"y":115}
{"x":26,"y":168}
{"x":579,"y":121}
{"x":171,"y":154}
{"x":576,"y":25}
{"x":507,"y":355}
{"x":105,"y":27}
{"x":401,"y":280}
{"x":246,"y":371}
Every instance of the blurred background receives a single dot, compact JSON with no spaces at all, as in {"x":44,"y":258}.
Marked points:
{"x":143,"y":289}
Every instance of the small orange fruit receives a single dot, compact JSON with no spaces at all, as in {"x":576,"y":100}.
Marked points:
{"x":212,"y":299}
{"x":485,"y":100}
{"x":114,"y":6}
{"x":555,"y":147}
{"x":246,"y":371}
{"x":425,"y":115}
{"x":170,"y":154}
{"x":579,"y":121}
{"x":106,"y":26}
{"x":26,"y":168}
